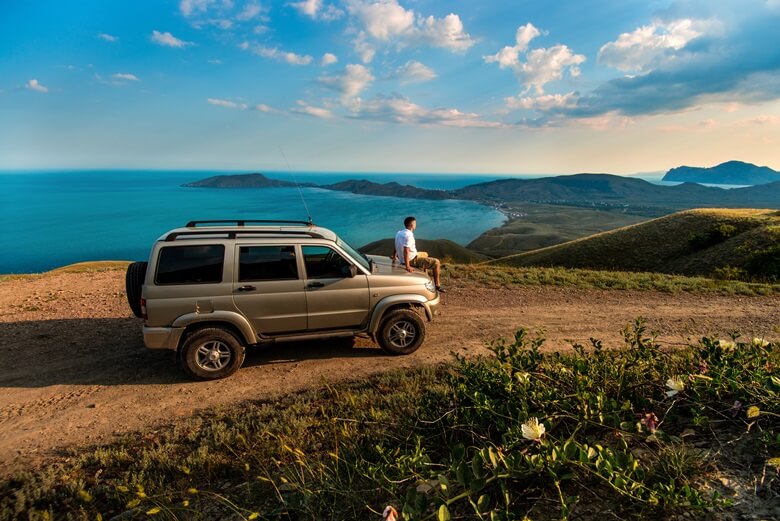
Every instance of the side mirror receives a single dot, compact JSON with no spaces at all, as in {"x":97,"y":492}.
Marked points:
{"x":349,"y":271}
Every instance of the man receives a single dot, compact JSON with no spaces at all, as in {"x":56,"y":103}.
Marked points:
{"x":406,"y":253}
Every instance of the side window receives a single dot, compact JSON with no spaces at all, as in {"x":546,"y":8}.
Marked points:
{"x":267,"y":263}
{"x":323,"y":263}
{"x":191,"y":264}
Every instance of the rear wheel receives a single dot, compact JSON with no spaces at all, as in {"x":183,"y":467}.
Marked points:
{"x":211,"y":353}
{"x":134,"y":281}
{"x":402,"y":332}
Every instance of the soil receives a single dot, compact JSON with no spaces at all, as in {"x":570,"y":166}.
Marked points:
{"x":75,"y":372}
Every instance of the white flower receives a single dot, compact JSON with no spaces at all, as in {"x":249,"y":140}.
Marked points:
{"x":726,"y":345}
{"x":760,"y":342}
{"x":675,"y":385}
{"x":532,"y":429}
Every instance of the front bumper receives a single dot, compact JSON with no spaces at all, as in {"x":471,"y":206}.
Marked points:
{"x":432,"y":306}
{"x":162,"y":337}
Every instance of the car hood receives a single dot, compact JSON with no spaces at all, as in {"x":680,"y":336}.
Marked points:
{"x":384,"y":266}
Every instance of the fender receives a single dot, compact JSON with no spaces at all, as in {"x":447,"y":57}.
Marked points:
{"x":231,"y":317}
{"x":383,"y":305}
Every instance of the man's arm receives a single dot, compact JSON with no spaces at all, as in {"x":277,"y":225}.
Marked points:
{"x":407,"y":260}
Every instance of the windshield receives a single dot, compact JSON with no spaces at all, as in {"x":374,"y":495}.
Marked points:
{"x":359,"y":257}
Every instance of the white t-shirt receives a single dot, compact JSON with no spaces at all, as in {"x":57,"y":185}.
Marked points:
{"x":405,"y":239}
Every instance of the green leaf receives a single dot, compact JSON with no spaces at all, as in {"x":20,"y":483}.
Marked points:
{"x":483,"y":503}
{"x":477,"y":485}
{"x":476,"y":466}
{"x":458,"y":452}
{"x":153,"y":511}
{"x":132,"y":504}
{"x":443,"y":513}
{"x":774,"y":462}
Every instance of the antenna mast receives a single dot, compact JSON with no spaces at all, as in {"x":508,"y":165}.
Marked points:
{"x":300,"y":192}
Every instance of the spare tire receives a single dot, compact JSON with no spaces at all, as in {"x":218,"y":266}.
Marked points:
{"x":134,"y":281}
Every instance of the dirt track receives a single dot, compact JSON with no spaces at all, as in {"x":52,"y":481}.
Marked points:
{"x":75,"y":372}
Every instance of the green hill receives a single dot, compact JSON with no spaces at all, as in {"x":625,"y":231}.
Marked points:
{"x":440,"y":248}
{"x":733,"y":243}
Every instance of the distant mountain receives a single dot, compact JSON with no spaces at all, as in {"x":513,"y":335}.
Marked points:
{"x":393,"y":189}
{"x":729,"y":173}
{"x":591,"y":190}
{"x":241,"y":181}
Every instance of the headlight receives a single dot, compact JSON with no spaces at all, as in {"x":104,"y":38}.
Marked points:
{"x":430,"y":287}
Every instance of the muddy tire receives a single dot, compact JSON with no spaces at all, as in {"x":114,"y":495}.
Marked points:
{"x":211,"y":353}
{"x":402,"y":332}
{"x":134,"y":281}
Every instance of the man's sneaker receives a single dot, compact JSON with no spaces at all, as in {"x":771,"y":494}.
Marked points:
{"x":440,"y":289}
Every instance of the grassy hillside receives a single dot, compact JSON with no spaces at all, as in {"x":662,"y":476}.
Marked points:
{"x":740,"y":243}
{"x":534,"y":226}
{"x":443,"y":249}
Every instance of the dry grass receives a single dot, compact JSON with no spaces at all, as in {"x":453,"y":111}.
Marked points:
{"x":79,"y":267}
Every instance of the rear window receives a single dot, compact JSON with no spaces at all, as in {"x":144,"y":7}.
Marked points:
{"x":191,"y":264}
{"x":267,"y":263}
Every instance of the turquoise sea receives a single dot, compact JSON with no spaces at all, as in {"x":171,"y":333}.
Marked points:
{"x":55,"y":218}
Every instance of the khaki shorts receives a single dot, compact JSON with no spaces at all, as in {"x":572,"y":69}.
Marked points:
{"x":423,"y":262}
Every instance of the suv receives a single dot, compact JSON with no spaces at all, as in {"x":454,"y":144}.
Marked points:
{"x":214,"y":287}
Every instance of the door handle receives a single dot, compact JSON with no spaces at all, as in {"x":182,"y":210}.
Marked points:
{"x":247,"y":288}
{"x":315,"y":285}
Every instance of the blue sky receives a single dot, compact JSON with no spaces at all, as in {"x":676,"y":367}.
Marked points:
{"x":392,"y":85}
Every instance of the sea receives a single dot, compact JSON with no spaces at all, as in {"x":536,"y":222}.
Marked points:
{"x":55,"y":218}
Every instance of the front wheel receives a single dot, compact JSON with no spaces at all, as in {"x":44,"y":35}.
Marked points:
{"x":402,"y":332}
{"x":211,"y":353}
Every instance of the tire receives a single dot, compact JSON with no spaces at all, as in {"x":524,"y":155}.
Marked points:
{"x":402,"y":332}
{"x":211,"y":353}
{"x":134,"y":281}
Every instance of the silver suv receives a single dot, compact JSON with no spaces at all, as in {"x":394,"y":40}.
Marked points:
{"x":214,"y":287}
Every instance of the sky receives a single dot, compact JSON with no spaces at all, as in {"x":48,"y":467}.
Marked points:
{"x":616,"y":86}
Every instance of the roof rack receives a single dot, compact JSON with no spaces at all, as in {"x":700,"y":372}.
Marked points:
{"x":232,"y":234}
{"x":243,"y":222}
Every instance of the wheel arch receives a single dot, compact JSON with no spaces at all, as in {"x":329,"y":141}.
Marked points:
{"x":233,"y":322}
{"x":388,"y":304}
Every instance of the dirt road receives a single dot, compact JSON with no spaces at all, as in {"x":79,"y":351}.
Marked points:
{"x":75,"y":372}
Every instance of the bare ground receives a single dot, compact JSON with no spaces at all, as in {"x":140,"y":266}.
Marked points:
{"x":75,"y":372}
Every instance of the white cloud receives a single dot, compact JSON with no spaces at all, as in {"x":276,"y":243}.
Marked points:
{"x":509,"y":56}
{"x":446,"y":33}
{"x":647,"y":46}
{"x":401,"y":110}
{"x":364,"y":48}
{"x":542,"y":103}
{"x":36,"y":86}
{"x":226,"y":103}
{"x":764,"y":119}
{"x":193,"y":7}
{"x":541,"y":66}
{"x":107,"y":37}
{"x":169,"y":40}
{"x":328,"y":59}
{"x":216,"y":62}
{"x":250,"y":11}
{"x":354,"y":80}
{"x":414,"y":72}
{"x":316,"y":10}
{"x":317,"y":112}
{"x":388,"y":21}
{"x":275,"y":54}
{"x":262,"y":107}
{"x":123,"y":76}
{"x":383,"y":19}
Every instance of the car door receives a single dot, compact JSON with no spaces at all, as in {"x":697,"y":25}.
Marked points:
{"x":267,"y":288}
{"x":334,"y":298}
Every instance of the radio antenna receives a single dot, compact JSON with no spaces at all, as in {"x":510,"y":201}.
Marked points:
{"x":300,"y":192}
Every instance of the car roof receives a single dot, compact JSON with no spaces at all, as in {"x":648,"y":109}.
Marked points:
{"x":212,"y":229}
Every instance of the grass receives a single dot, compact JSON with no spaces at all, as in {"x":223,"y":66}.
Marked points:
{"x":80,"y":267}
{"x":540,"y":225}
{"x":496,"y":276}
{"x":456,"y":441}
{"x":688,"y":242}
